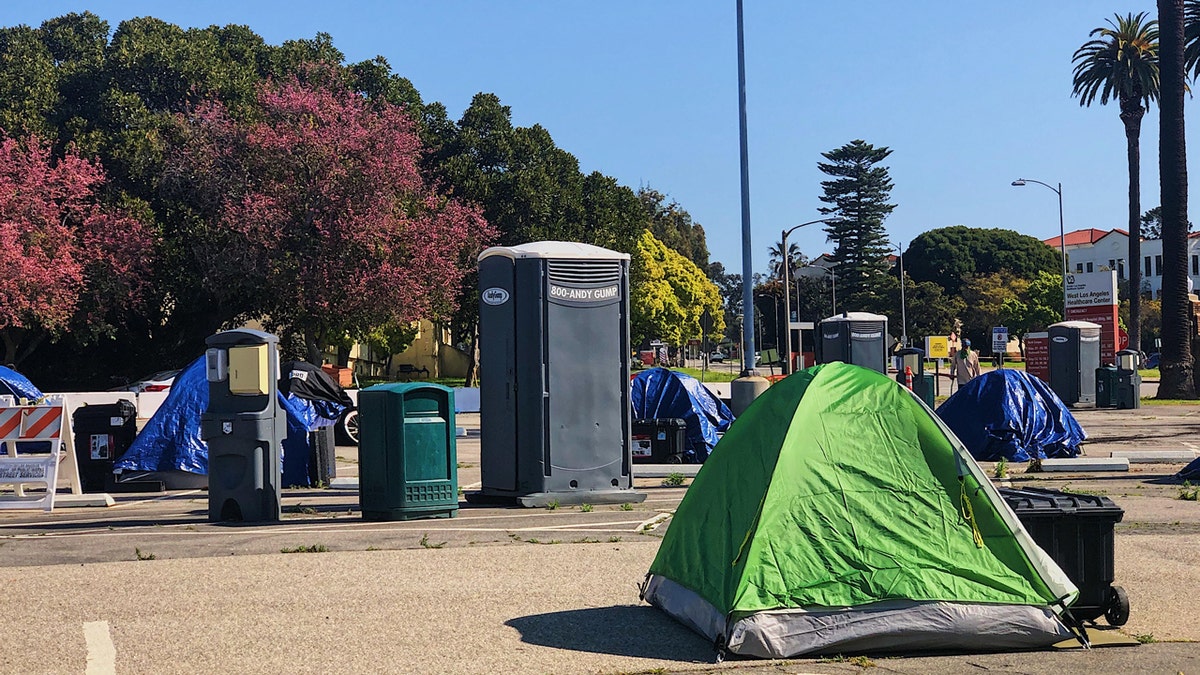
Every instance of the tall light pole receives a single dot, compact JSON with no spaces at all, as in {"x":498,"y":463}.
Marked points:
{"x":903,"y":306}
{"x":1062,"y":235}
{"x":787,"y":294}
{"x":747,"y":262}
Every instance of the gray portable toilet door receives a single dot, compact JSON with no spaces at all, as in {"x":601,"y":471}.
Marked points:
{"x":584,"y":345}
{"x":497,"y":373}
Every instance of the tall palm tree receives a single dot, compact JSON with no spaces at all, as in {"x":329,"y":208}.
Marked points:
{"x":795,"y":258}
{"x":1191,"y":38}
{"x":1177,"y":364}
{"x":1120,"y":62}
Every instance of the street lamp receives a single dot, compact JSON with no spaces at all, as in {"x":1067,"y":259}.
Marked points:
{"x":787,"y":296}
{"x":903,"y":306}
{"x":1062,"y":236}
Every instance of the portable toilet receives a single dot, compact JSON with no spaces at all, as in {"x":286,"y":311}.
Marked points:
{"x":860,"y":338}
{"x":1074,"y":358}
{"x":554,"y":375}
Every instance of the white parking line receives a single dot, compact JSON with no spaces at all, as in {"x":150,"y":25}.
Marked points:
{"x":101,"y":654}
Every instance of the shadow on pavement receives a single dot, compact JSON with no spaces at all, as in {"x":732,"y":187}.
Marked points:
{"x":624,"y":630}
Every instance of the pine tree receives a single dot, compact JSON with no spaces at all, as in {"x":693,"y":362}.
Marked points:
{"x":858,"y":193}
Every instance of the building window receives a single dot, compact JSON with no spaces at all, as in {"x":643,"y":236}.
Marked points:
{"x":1195,"y":265}
{"x":1079,"y":268}
{"x":1158,"y":265}
{"x":1120,"y":269}
{"x":1112,"y":264}
{"x":1147,"y":265}
{"x":1089,"y":267}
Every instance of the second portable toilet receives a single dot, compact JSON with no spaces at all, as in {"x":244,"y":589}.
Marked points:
{"x":860,"y":338}
{"x":1074,"y":358}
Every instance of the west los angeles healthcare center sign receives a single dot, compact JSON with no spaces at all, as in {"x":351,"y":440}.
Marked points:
{"x":1092,"y":296}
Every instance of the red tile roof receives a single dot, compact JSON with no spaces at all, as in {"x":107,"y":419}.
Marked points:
{"x":1088,"y":236}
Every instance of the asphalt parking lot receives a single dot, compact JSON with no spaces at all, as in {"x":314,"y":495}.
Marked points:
{"x":149,"y":585}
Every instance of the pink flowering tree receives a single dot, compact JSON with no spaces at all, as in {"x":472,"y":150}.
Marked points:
{"x":67,"y":262}
{"x":317,"y":216}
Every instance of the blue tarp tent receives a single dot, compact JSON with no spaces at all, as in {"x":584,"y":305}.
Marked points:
{"x":659,"y":393}
{"x":170,"y":441}
{"x":17,"y":385}
{"x":1009,"y":414}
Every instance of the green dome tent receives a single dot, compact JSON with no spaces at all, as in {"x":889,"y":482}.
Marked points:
{"x":840,"y":514}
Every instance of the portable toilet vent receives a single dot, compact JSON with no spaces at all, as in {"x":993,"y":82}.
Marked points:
{"x":554,"y":375}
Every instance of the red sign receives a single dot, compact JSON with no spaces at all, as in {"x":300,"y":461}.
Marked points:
{"x":1037,"y":355}
{"x":1106,"y":317}
{"x":1123,"y":339}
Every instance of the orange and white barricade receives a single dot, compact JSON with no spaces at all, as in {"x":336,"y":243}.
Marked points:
{"x":38,"y":452}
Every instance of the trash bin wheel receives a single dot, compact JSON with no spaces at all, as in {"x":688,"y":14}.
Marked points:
{"x":675,"y":459}
{"x":1117,"y":611}
{"x":347,"y":427}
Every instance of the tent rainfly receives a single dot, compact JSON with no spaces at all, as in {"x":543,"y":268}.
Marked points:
{"x":840,"y":514}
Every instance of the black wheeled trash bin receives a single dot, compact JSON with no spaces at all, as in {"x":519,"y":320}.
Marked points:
{"x":659,"y":441}
{"x":1076,"y":531}
{"x":407,"y":462}
{"x":103,"y":433}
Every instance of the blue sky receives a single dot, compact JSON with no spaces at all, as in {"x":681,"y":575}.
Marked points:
{"x":968,"y":95}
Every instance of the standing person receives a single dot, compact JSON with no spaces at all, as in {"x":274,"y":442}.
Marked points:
{"x":965,"y":364}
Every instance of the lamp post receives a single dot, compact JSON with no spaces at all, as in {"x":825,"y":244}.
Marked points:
{"x":903,"y":306}
{"x":832,"y":281}
{"x":1062,"y":236}
{"x":787,"y":296}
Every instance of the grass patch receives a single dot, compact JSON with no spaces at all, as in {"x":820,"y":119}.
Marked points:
{"x":673,"y":479}
{"x":586,"y":508}
{"x":315,"y":548}
{"x":587,"y":540}
{"x":614,"y":539}
{"x":709,"y":375}
{"x":627,"y":506}
{"x":552,"y":505}
{"x":860,"y":661}
{"x":1001,"y":470}
{"x":1189,"y":492}
{"x":144,"y":556}
{"x":1169,"y":401}
{"x":425,"y":543}
{"x":1145,"y":638}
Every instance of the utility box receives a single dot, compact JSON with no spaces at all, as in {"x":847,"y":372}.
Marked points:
{"x":1106,"y":387}
{"x":659,"y":441}
{"x":554,"y":375}
{"x":912,"y":362}
{"x":244,"y":426}
{"x":407,"y":458}
{"x":859,"y":338}
{"x":1074,"y":358}
{"x":1128,"y":391}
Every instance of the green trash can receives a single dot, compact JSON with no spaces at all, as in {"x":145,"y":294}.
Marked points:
{"x":1106,"y":387}
{"x":407,"y":464}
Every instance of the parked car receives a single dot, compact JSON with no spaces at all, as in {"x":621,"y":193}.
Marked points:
{"x":1151,"y":361}
{"x":716,"y":357}
{"x":160,"y":381}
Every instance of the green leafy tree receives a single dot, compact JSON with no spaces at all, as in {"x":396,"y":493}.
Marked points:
{"x":1177,"y":362}
{"x":985,"y":298}
{"x":1035,"y":309}
{"x":670,"y":295}
{"x":1152,"y":224}
{"x":1120,"y":63}
{"x":28,"y":83}
{"x":673,"y":226}
{"x":948,"y":256}
{"x":858,"y":192}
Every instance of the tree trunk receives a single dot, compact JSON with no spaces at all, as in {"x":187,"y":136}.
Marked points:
{"x":1176,"y":368}
{"x":313,"y":347}
{"x":1133,"y":131}
{"x":473,"y":359}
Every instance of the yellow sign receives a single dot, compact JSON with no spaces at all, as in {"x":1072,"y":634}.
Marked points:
{"x":937,"y":347}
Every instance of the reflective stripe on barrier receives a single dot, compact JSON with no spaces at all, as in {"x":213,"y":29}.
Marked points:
{"x":29,"y":428}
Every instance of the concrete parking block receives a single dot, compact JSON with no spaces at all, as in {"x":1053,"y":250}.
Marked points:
{"x":1086,"y":464}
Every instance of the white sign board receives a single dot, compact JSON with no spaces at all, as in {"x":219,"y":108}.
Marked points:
{"x":999,"y":339}
{"x":1091,"y":289}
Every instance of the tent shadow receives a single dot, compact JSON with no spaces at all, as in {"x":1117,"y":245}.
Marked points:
{"x":622,"y":630}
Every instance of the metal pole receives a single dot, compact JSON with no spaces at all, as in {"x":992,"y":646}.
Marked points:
{"x":1062,"y":241}
{"x":903,"y":309}
{"x":787,"y":307}
{"x":833,"y":283}
{"x":747,"y":262}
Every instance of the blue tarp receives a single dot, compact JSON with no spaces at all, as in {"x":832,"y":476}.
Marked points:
{"x":659,"y":393}
{"x":1012,"y":415}
{"x":15,"y":384}
{"x":170,"y":441}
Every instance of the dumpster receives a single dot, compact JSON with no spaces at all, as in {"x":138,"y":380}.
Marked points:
{"x":407,"y":461}
{"x":102,"y":434}
{"x":1106,"y":387}
{"x":1076,"y":531}
{"x":659,"y":441}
